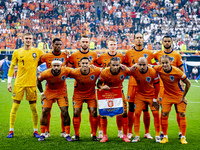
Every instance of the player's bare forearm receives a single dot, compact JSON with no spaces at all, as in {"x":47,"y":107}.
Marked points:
{"x":99,"y":84}
{"x":157,"y":89}
{"x":182,"y":69}
{"x":187,"y":87}
{"x":39,"y":85}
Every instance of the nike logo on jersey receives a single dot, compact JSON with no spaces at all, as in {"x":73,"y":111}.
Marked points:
{"x":21,"y":56}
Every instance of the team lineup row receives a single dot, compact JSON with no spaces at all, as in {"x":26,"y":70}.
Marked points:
{"x":143,"y":87}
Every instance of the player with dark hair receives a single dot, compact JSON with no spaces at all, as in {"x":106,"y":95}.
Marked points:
{"x":176,"y":61}
{"x":26,"y":59}
{"x":131,"y":57}
{"x":84,"y":91}
{"x":173,"y":94}
{"x":56,"y":90}
{"x":48,"y":58}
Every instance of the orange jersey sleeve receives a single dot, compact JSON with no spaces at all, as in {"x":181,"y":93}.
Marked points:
{"x":104,"y":59}
{"x":171,"y":80}
{"x":132,"y":56}
{"x":85,"y":84}
{"x":48,"y":58}
{"x":176,"y":59}
{"x":145,"y":81}
{"x":56,"y":85}
{"x":75,"y":58}
{"x":113,"y":80}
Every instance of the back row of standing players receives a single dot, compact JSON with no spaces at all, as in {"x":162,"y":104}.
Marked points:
{"x":27,"y":58}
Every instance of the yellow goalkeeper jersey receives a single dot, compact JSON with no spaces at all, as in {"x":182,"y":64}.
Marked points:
{"x":27,"y":62}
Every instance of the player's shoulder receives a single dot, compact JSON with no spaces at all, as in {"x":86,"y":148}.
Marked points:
{"x":157,"y":67}
{"x":119,"y":55}
{"x":176,"y":69}
{"x":104,"y":71}
{"x":47,"y":72}
{"x":174,"y":52}
{"x":129,"y":51}
{"x":151,"y":70}
{"x":147,"y":51}
{"x":160,"y":52}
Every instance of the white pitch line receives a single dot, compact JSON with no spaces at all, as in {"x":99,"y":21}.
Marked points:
{"x":194,"y":102}
{"x":195,"y":85}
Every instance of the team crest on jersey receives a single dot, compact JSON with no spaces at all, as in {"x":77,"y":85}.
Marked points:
{"x":63,"y":77}
{"x":172,"y":78}
{"x":73,"y":103}
{"x":145,"y":55}
{"x":34,"y":55}
{"x":128,"y":97}
{"x":172,"y":59}
{"x":13,"y":94}
{"x":62,"y":59}
{"x":92,"y":77}
{"x":122,"y":77}
{"x":42,"y":103}
{"x":148,"y":79}
{"x":90,"y":58}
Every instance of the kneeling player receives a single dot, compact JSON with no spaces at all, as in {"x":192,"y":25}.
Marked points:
{"x":173,"y":94}
{"x":84,"y":91}
{"x":56,"y":90}
{"x":113,"y":76}
{"x":146,"y":78}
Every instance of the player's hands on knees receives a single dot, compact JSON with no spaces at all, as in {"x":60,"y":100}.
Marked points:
{"x":156,"y":105}
{"x":183,"y":99}
{"x":122,"y":67}
{"x":9,"y":87}
{"x":43,"y":97}
{"x":133,"y":68}
{"x":105,"y":87}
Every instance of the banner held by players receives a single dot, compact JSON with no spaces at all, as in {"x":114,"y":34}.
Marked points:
{"x":110,"y":102}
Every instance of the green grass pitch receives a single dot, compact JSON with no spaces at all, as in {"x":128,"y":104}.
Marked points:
{"x":23,"y":138}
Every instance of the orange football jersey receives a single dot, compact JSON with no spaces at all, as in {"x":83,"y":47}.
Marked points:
{"x":132,"y":56}
{"x":56,"y":85}
{"x":49,"y":57}
{"x":75,"y":58}
{"x":113,"y":80}
{"x":85,"y":84}
{"x":145,"y":81}
{"x":104,"y":59}
{"x":171,"y":80}
{"x":176,"y":59}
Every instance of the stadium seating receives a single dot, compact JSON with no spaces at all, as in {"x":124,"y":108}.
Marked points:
{"x":69,"y":19}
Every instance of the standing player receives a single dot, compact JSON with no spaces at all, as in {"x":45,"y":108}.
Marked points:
{"x":75,"y":58}
{"x":113,"y":76}
{"x":173,"y":94}
{"x":26,"y":59}
{"x":146,"y":78}
{"x":48,"y":58}
{"x":131,"y":57}
{"x":84,"y":91}
{"x":56,"y":90}
{"x":104,"y":61}
{"x":176,"y":61}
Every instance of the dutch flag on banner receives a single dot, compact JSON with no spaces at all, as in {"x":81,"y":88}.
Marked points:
{"x":110,"y":102}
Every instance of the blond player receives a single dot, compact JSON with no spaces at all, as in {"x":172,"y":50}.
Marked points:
{"x":26,"y":59}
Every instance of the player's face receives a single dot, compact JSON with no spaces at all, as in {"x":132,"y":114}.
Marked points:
{"x":112,"y":46}
{"x":142,"y":66}
{"x":167,"y":42}
{"x":57,"y":46}
{"x":138,"y":39}
{"x":56,"y":68}
{"x":28,"y":40}
{"x":166,"y":64}
{"x":85,"y":65}
{"x":115,"y":67}
{"x":85,"y":42}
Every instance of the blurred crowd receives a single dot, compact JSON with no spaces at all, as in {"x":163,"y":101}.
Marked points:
{"x":69,"y":19}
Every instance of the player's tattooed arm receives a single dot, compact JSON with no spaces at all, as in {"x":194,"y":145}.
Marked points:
{"x":187,"y":87}
{"x":39,"y":85}
{"x":101,"y":86}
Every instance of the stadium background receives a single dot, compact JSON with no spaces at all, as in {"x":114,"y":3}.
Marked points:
{"x":69,"y":19}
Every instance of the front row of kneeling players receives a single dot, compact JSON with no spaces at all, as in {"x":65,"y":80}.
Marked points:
{"x":147,"y":92}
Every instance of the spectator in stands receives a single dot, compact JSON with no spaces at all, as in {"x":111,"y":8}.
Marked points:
{"x":194,"y":72}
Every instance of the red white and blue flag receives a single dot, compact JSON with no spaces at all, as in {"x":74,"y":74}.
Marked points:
{"x":110,"y":102}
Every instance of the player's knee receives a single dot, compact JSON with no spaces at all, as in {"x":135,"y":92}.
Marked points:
{"x":76,"y":112}
{"x":65,"y":113}
{"x":45,"y":112}
{"x":181,"y":114}
{"x":165,"y":114}
{"x":94,"y":113}
{"x":124,"y":115}
{"x":137,"y":113}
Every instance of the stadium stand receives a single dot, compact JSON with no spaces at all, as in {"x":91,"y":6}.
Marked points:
{"x":69,"y":19}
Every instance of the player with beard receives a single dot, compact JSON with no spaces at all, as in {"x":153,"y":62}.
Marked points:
{"x":176,"y":61}
{"x":131,"y":57}
{"x":75,"y":58}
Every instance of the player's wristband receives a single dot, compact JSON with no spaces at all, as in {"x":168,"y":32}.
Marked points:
{"x":9,"y":79}
{"x":154,"y":100}
{"x":42,"y":93}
